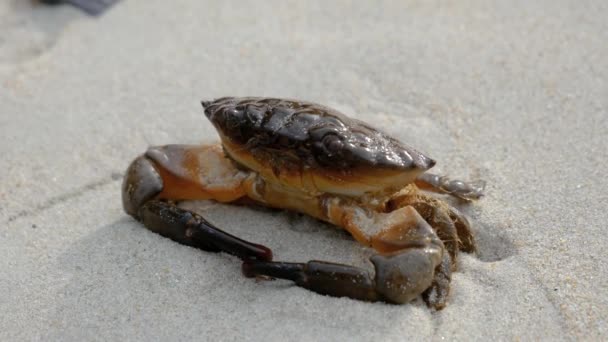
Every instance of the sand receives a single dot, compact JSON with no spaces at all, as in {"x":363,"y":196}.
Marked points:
{"x":515,"y":93}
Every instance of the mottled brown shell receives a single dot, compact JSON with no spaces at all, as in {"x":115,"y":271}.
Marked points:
{"x":289,"y":135}
{"x":317,"y":135}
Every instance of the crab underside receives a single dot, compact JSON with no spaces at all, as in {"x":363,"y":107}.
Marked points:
{"x":311,"y":159}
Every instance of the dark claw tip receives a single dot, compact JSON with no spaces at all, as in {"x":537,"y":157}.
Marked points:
{"x":248,"y":268}
{"x":263,"y":254}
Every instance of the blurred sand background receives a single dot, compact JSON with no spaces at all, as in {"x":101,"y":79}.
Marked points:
{"x":513,"y":92}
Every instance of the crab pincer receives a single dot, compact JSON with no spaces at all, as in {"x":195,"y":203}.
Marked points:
{"x":141,"y":188}
{"x":404,"y":267}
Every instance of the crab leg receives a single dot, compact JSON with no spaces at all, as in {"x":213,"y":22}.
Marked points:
{"x":173,"y":172}
{"x":463,"y":228}
{"x":451,"y":225}
{"x":443,"y":184}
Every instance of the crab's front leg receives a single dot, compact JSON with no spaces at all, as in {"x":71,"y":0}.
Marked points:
{"x":451,"y":225}
{"x":176,"y":172}
{"x":409,"y":253}
{"x":442,"y":184}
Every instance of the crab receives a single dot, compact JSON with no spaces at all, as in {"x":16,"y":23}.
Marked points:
{"x":308,"y":158}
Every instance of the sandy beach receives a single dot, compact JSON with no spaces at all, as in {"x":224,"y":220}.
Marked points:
{"x":515,"y":93}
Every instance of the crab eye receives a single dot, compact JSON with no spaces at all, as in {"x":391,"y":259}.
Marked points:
{"x":330,"y":151}
{"x":233,"y":118}
{"x":333,"y":144}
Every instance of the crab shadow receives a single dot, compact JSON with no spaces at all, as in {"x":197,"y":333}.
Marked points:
{"x":123,"y":277}
{"x":493,"y":243}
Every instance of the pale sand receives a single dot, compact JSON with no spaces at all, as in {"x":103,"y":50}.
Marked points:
{"x":515,"y":93}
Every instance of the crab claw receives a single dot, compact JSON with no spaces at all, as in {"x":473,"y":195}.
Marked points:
{"x":319,"y":276}
{"x":410,"y":253}
{"x":403,"y":276}
{"x":142,"y":191}
{"x":404,"y":269}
